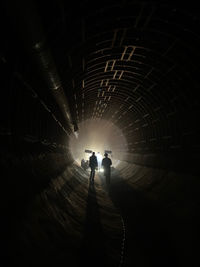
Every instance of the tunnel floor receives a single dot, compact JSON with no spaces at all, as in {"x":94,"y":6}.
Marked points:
{"x":81,"y":224}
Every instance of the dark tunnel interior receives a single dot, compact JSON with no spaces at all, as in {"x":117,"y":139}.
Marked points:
{"x":117,"y":75}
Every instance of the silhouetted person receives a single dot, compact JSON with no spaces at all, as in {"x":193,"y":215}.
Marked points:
{"x":106,"y":163}
{"x":86,"y":164}
{"x":82,"y":163}
{"x":93,"y":165}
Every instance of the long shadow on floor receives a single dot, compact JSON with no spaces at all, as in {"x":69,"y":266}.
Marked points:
{"x":147,"y":240}
{"x":92,"y":252}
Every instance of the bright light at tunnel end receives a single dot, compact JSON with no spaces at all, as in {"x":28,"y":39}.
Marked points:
{"x":98,"y":137}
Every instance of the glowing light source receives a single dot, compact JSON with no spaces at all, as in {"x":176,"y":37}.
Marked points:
{"x":98,"y":136}
{"x":76,"y":134}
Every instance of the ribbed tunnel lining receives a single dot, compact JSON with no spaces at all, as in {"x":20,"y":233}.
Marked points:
{"x":133,"y":63}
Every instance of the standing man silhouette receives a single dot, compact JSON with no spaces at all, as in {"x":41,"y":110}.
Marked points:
{"x":106,"y":163}
{"x":93,"y":165}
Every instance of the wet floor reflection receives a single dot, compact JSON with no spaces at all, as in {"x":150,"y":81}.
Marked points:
{"x":92,"y":251}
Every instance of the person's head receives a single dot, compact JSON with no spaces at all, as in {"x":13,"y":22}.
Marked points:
{"x":106,"y":155}
{"x":93,"y":153}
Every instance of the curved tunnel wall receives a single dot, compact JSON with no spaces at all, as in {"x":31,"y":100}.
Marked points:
{"x":126,"y":66}
{"x":129,"y":66}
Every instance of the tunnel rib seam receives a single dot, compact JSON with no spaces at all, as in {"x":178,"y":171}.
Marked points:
{"x":123,"y":242}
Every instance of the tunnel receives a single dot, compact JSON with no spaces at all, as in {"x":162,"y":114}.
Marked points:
{"x":121,"y":76}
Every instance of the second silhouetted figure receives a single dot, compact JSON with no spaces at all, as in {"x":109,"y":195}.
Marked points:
{"x":106,"y":163}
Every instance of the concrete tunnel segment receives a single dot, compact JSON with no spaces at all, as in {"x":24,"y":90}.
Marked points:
{"x":134,"y":64}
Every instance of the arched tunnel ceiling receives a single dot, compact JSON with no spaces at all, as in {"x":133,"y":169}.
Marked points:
{"x":134,"y":63}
